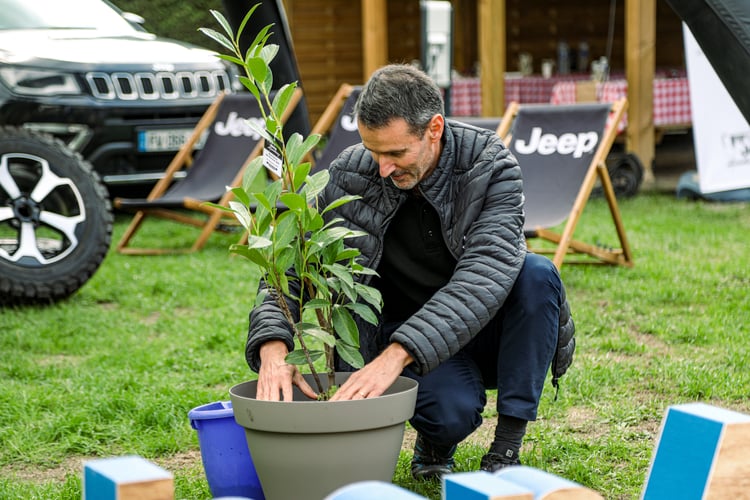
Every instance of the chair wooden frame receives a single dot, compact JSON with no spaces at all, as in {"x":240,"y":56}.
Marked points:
{"x":329,"y":115}
{"x":325,"y":124}
{"x":564,"y":242}
{"x":207,"y":217}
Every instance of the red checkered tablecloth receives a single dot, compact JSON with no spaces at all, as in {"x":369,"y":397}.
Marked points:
{"x":465,"y":97}
{"x":671,"y":99}
{"x":466,"y":93}
{"x":534,"y":89}
{"x":565,"y":93}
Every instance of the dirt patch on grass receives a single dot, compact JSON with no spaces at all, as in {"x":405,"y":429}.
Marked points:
{"x":43,"y":474}
{"x":176,"y":464}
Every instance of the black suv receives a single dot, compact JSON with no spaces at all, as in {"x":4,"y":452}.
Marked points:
{"x":85,"y":95}
{"x":87,"y":73}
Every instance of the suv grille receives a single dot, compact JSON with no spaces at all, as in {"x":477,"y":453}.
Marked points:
{"x":159,"y":85}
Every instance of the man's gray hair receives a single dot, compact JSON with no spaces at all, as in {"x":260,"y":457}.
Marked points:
{"x":399,"y":91}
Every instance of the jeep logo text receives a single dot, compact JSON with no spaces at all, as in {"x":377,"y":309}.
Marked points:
{"x":237,"y":126}
{"x":547,"y":144}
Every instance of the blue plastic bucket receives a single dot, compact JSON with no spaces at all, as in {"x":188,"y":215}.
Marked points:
{"x":226,"y":458}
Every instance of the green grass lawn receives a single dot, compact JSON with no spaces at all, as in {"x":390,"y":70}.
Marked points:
{"x":115,"y":369}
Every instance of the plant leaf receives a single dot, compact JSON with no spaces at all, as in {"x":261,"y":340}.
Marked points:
{"x":258,"y":68}
{"x":297,"y":148}
{"x":315,"y":304}
{"x":272,"y":192}
{"x":283,"y":96}
{"x":285,"y":258}
{"x":317,"y":332}
{"x":260,"y":297}
{"x":298,"y":357}
{"x":241,"y":195}
{"x":350,"y":355}
{"x":300,"y":174}
{"x":347,"y":287}
{"x":258,"y":242}
{"x":294,"y":201}
{"x":347,"y":253}
{"x":218,"y":37}
{"x":223,"y":22}
{"x":315,"y":185}
{"x":344,"y":325}
{"x":252,"y":254}
{"x":313,"y":220}
{"x":261,"y":37}
{"x":364,"y":312}
{"x":250,"y":176}
{"x":249,"y":14}
{"x":286,"y":229}
{"x":341,"y":201}
{"x":231,"y":59}
{"x":250,"y":85}
{"x":241,"y":213}
{"x":216,"y":205}
{"x":370,"y":295}
{"x":268,"y":52}
{"x":317,"y":280}
{"x":263,"y":201}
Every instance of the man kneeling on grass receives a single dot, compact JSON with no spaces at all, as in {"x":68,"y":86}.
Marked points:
{"x":465,"y":307}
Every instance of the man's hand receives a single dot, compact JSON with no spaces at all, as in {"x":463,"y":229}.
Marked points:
{"x":276,"y":376}
{"x":375,"y":377}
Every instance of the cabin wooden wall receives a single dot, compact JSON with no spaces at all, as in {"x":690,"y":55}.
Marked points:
{"x":327,"y":37}
{"x":537,"y":26}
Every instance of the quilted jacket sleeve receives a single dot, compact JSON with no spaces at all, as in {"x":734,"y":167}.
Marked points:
{"x":274,"y":326}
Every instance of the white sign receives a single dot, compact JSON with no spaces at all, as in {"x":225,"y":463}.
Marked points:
{"x":437,"y":56}
{"x":721,"y":133}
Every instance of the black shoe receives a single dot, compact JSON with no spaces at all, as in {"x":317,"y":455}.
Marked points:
{"x":493,"y":462}
{"x":431,"y":461}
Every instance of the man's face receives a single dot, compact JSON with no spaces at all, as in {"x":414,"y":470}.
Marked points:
{"x":403,"y":157}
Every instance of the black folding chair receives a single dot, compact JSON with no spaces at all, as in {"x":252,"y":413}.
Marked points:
{"x":230,"y":145}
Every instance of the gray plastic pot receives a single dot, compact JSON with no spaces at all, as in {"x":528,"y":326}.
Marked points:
{"x":306,"y":449}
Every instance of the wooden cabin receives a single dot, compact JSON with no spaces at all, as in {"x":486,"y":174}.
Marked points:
{"x":343,"y":41}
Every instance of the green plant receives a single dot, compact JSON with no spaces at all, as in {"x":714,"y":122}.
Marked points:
{"x":299,"y":251}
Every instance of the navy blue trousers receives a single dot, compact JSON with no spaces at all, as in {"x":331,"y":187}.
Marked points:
{"x":512,"y":353}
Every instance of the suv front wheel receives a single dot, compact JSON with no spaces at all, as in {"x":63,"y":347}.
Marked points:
{"x":55,"y":219}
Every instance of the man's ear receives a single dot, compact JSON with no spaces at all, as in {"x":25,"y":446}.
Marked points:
{"x":435,"y":128}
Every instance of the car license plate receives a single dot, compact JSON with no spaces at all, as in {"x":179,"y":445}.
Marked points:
{"x":159,"y":140}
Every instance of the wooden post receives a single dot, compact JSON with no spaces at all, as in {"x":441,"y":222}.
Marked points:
{"x":492,"y":29}
{"x":640,"y":36}
{"x":374,"y":36}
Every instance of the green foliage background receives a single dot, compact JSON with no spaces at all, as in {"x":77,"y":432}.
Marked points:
{"x":177,"y":19}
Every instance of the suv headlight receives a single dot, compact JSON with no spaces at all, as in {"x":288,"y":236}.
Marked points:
{"x":39,"y":82}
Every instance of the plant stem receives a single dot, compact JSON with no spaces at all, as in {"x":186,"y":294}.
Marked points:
{"x":325,"y":325}
{"x":280,"y":300}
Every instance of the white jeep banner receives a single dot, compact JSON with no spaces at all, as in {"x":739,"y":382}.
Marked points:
{"x":721,"y":133}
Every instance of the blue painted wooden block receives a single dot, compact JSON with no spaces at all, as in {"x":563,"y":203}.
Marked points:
{"x":482,"y":486}
{"x":702,"y":452}
{"x":372,"y":490}
{"x":546,"y":486}
{"x":126,"y":478}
